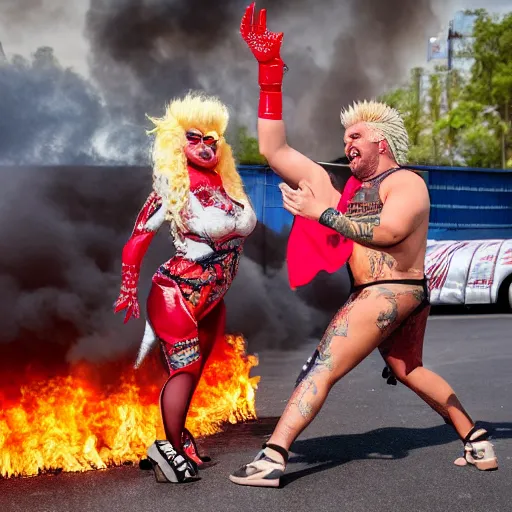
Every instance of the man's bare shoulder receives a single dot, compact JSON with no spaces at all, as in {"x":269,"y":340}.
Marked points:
{"x":406,"y":186}
{"x":405,"y":179}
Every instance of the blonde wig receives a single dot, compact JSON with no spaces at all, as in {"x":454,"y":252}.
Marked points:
{"x":170,"y":175}
{"x":385,"y":122}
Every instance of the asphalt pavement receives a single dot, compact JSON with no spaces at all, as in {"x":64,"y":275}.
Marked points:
{"x":374,"y":447}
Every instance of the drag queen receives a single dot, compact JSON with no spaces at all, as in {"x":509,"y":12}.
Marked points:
{"x":198,"y":191}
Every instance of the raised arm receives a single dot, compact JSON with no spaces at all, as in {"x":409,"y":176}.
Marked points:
{"x":148,"y":221}
{"x":288,"y":163}
{"x":406,"y":205}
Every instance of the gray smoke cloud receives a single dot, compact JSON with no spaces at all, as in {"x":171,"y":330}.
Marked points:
{"x":61,"y":231}
{"x":370,"y":55}
{"x":35,"y":13}
{"x":167,"y":48}
{"x":143,"y":53}
{"x":47,"y":114}
{"x":51,"y":115}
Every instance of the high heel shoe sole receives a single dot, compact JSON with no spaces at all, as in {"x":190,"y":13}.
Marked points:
{"x":159,"y":475}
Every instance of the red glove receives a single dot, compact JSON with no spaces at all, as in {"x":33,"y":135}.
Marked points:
{"x":265,"y":46}
{"x":128,"y":297}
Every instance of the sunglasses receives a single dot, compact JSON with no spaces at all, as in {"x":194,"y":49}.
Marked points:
{"x":196,"y":138}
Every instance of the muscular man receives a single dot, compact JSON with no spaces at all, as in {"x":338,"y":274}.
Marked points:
{"x":387,"y":221}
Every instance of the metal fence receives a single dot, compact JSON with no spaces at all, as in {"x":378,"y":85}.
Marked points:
{"x":465,"y":203}
{"x":469,"y":203}
{"x":261,"y":184}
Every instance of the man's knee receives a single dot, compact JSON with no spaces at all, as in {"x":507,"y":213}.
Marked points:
{"x":403,"y":369}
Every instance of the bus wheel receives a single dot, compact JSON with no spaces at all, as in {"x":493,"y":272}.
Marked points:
{"x":505,"y":296}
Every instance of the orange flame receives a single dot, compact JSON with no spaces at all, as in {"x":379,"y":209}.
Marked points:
{"x":65,"y":423}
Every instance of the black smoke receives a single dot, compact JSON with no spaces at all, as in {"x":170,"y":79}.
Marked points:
{"x":371,"y":56}
{"x":61,"y":238}
{"x":144,"y":53}
{"x":61,"y":231}
{"x":48,"y":114}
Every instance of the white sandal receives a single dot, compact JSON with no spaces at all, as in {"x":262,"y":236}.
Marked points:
{"x":262,"y":471}
{"x":478,"y":451}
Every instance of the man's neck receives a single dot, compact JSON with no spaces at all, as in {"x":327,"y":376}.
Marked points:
{"x":384,"y":165}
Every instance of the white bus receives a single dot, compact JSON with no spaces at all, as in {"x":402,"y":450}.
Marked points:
{"x":470,"y":272}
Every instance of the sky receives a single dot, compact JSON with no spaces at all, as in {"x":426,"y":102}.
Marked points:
{"x":26,"y":24}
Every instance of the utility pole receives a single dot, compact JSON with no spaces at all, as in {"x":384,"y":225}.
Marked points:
{"x":450,"y":50}
{"x":452,"y":34}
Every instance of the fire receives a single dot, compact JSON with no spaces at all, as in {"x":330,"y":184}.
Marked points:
{"x":71,"y":423}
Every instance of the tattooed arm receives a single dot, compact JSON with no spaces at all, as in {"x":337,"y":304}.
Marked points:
{"x":361,"y":231}
{"x":406,"y":205}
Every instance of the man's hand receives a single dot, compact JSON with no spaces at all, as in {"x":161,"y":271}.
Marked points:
{"x":264,"y":45}
{"x":303,"y":201}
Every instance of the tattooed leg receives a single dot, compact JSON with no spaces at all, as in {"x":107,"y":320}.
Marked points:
{"x":402,"y":352}
{"x":356,"y":330}
{"x":387,"y":318}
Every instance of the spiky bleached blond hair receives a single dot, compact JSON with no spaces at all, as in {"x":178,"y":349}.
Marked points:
{"x":384,"y":121}
{"x":170,"y":175}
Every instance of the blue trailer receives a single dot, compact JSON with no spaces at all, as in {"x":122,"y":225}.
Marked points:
{"x":466,"y":203}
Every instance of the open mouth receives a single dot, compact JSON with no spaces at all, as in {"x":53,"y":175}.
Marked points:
{"x":205,"y":155}
{"x":353,"y":154}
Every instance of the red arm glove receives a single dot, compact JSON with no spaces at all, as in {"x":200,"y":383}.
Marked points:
{"x":265,"y":46}
{"x":133,"y":254}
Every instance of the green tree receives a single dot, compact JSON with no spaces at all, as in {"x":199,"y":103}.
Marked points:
{"x":420,"y":102}
{"x":491,"y":83}
{"x":454,"y":87}
{"x":246,"y":148}
{"x":435,"y":98}
{"x":463,"y":119}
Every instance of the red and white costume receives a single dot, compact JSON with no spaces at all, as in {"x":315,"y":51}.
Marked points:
{"x":185,"y":308}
